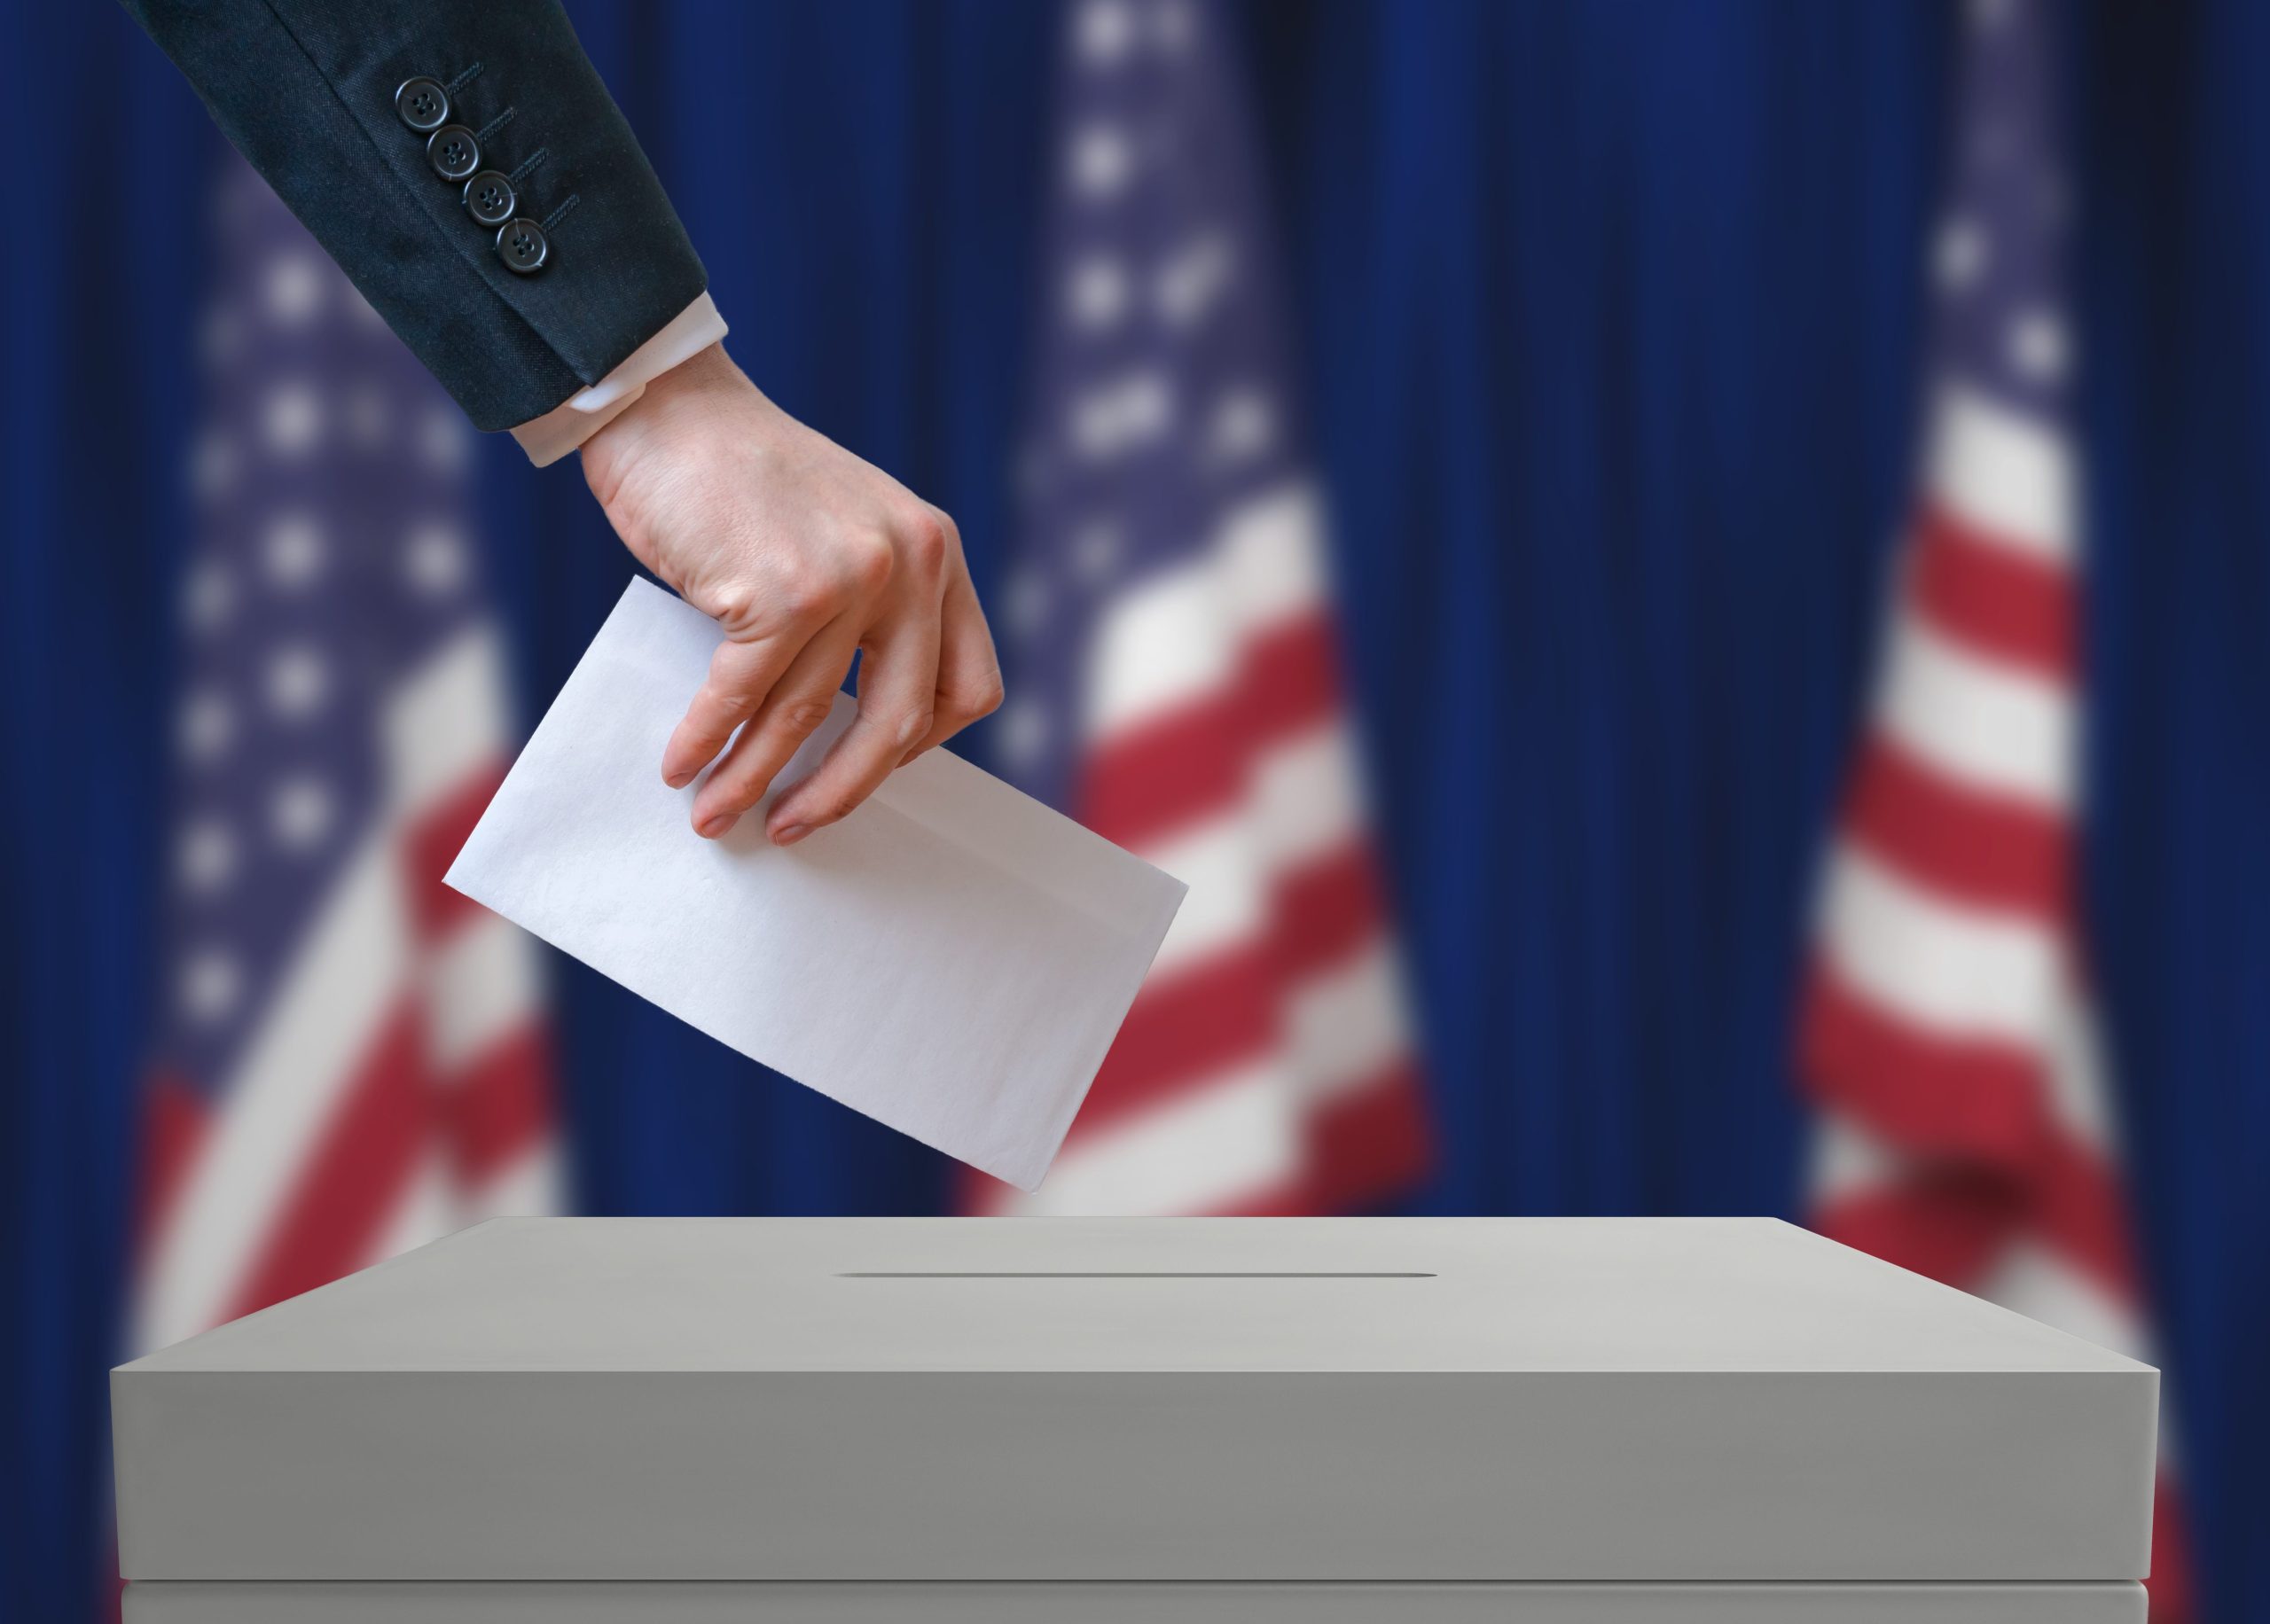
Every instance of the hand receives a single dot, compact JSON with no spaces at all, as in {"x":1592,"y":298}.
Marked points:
{"x":804,"y":554}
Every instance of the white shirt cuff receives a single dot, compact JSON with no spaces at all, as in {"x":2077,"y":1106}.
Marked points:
{"x":576,"y":419}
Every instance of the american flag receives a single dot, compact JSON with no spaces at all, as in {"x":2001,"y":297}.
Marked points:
{"x":1175,"y":680}
{"x":351,"y":1059}
{"x":1966,"y":1127}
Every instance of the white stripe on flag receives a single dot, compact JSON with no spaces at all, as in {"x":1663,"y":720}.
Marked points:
{"x":530,"y":1185}
{"x":2002,"y":474}
{"x":1166,"y":645}
{"x":2029,"y":1279}
{"x":1347,"y":1025}
{"x":331,"y":1004}
{"x":1304,"y":807}
{"x":1226,"y":904}
{"x":1223,"y":1142}
{"x":480,"y":984}
{"x":447,"y":722}
{"x":425,"y":1211}
{"x":1986,"y":726}
{"x":1948,"y":969}
{"x":1174,"y":641}
{"x":1306,"y":795}
{"x":1272,"y":550}
{"x":1847,"y":1159}
{"x":2078,"y":1091}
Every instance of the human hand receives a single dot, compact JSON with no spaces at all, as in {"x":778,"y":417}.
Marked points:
{"x":805,"y":555}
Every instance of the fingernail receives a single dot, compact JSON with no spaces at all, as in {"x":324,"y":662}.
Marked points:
{"x":710,"y":828}
{"x":679,"y":779}
{"x":788,"y":834}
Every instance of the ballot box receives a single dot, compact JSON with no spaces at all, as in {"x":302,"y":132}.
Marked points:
{"x":1333,"y":1421}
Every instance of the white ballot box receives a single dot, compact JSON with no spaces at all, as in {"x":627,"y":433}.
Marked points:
{"x":1330,"y":1421}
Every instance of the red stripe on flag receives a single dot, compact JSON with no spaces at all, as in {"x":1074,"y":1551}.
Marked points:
{"x":1322,"y":911}
{"x":500,"y":1108}
{"x":431,"y":843}
{"x":1152,"y":780}
{"x":2172,"y":1599}
{"x":2000,"y":601}
{"x":2080,"y":1211}
{"x":1188,"y":1027}
{"x":1371,"y":1141}
{"x":1924,"y":1093}
{"x":1157,"y":775}
{"x":1289,"y":678}
{"x":172,"y":1128}
{"x":1949,"y":1222}
{"x":347,"y":1188}
{"x":1278,"y":1200}
{"x":1183,"y":1033}
{"x":1973,"y":848}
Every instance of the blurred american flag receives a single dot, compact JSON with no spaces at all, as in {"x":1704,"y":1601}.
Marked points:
{"x":1175,"y":678}
{"x":1967,"y":1130}
{"x":352,"y":1059}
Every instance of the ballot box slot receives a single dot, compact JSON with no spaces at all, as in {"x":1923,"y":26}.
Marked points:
{"x":1132,"y":1274}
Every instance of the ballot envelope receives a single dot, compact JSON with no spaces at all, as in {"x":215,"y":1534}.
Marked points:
{"x":878,"y":1421}
{"x":952,"y":960}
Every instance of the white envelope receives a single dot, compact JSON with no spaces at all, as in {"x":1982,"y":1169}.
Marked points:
{"x":952,"y":960}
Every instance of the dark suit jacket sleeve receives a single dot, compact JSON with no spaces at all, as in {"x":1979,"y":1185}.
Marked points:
{"x":306,"y":90}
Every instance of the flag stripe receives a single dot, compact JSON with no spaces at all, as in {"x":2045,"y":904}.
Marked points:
{"x":1979,"y":850}
{"x":1998,"y":728}
{"x":1175,"y":640}
{"x":1947,"y":1097}
{"x":1304,"y":812}
{"x":330,"y":1009}
{"x":347,"y":1182}
{"x":1227,"y":1143}
{"x":2000,"y":601}
{"x":1182,"y":1032}
{"x":431,"y":842}
{"x":2081,"y":1216}
{"x":481,"y":988}
{"x":1347,"y":1024}
{"x":1929,"y":963}
{"x":1234,"y":1004}
{"x":1327,"y":910}
{"x":1228,"y":903}
{"x":497,"y":1110}
{"x":2171,"y":1584}
{"x":1146,"y":781}
{"x":174,"y":1127}
{"x":1371,"y":1139}
{"x":445,"y":726}
{"x":1998,"y":472}
{"x":1948,"y":1221}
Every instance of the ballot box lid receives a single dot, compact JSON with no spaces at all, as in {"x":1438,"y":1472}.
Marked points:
{"x":951,"y":1400}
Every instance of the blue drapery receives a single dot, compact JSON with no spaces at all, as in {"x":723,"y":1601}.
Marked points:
{"x":1610,"y":318}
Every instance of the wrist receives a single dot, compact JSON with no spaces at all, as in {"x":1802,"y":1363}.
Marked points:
{"x":569,"y":424}
{"x":704,"y":372}
{"x":660,"y":416}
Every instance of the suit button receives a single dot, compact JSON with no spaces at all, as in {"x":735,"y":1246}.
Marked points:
{"x":490,"y":198}
{"x":453,"y":152}
{"x":422,"y":104}
{"x":521,"y":245}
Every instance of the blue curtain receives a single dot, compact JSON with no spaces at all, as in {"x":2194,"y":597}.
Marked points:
{"x":1610,"y":317}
